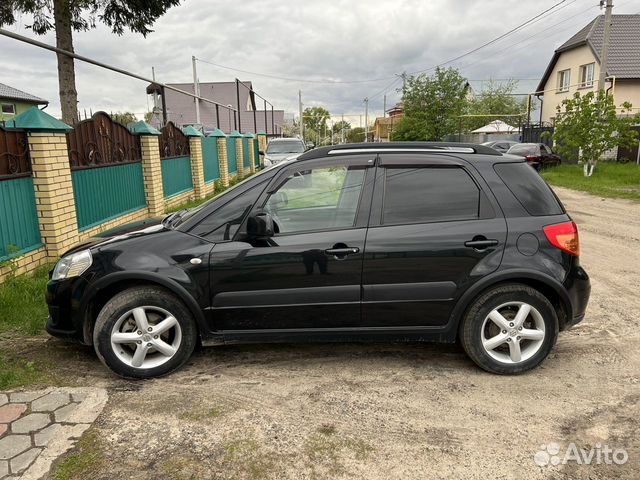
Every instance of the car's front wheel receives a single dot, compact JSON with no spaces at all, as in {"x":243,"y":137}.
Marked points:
{"x":509,"y":329}
{"x":144,"y":332}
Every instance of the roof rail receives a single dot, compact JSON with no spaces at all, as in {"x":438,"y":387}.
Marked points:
{"x":432,"y":147}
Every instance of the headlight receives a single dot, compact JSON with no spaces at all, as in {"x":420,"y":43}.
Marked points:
{"x":72,"y":265}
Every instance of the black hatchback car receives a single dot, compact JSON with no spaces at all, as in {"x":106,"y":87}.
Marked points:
{"x":387,"y":242}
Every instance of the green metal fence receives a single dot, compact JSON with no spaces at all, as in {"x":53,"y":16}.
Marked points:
{"x":246,"y":154}
{"x":19,"y":231}
{"x":107,"y":192}
{"x":176,"y":175}
{"x":210,"y":159}
{"x":231,"y":155}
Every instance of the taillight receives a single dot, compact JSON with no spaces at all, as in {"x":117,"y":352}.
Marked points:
{"x":564,"y":236}
{"x":531,"y":158}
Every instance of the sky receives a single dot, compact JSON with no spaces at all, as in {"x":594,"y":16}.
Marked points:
{"x":368,"y":42}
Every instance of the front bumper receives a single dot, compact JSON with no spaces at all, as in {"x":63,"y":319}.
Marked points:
{"x":64,"y":300}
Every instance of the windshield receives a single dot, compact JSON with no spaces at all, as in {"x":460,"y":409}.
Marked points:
{"x":295,"y":146}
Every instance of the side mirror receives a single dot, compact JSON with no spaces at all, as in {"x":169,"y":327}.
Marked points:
{"x":260,"y":152}
{"x":260,"y":225}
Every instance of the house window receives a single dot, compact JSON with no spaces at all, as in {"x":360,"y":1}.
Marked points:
{"x":564,"y":80}
{"x":8,"y":109}
{"x":586,"y":74}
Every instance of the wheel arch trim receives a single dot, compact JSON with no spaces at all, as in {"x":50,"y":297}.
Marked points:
{"x":150,"y":278}
{"x":514,"y":275}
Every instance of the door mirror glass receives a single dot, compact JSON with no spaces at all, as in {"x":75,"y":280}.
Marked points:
{"x":260,"y":225}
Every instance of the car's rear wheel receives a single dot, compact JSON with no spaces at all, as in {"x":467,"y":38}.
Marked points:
{"x":144,"y":332}
{"x":509,"y":329}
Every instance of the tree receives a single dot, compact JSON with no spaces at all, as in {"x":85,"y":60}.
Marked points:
{"x":355,"y":135}
{"x":338,"y":127}
{"x":124,"y":118}
{"x":432,"y":105}
{"x":80,"y":15}
{"x":494,"y":100}
{"x":147,"y":116}
{"x":590,"y":125}
{"x":315,"y":120}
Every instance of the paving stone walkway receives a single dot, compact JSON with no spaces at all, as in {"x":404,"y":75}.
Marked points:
{"x":38,"y":427}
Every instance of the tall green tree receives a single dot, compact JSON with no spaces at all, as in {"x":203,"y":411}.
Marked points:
{"x":432,"y":105}
{"x":67,"y":16}
{"x":590,"y":125}
{"x":355,"y":135}
{"x":125,"y":118}
{"x":315,"y":120}
{"x":497,"y":102}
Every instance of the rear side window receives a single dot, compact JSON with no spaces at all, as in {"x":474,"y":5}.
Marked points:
{"x":423,"y":195}
{"x":529,"y":188}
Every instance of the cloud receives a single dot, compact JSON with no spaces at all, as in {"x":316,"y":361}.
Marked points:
{"x":336,"y":39}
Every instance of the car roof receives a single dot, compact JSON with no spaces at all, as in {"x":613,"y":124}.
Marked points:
{"x":461,"y":149}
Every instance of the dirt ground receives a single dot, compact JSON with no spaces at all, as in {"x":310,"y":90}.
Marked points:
{"x":389,"y":410}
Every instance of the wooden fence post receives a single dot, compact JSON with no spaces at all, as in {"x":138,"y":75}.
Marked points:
{"x":151,"y":166}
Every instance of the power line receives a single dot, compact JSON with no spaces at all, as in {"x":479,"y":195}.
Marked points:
{"x":490,"y":42}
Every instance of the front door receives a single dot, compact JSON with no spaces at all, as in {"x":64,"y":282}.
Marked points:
{"x":309,"y":274}
{"x":433,"y":232}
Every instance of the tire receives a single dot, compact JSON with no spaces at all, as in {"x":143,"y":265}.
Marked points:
{"x":121,"y":343}
{"x":533,"y":339}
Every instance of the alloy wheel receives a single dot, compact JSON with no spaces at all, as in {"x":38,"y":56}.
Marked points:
{"x":513,"y":332}
{"x":146,"y":337}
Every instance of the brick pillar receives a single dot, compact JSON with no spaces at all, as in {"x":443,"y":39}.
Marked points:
{"x":223,"y":161}
{"x":197,"y":166}
{"x":54,"y":191}
{"x":152,"y":173}
{"x":262,"y":146}
{"x":240,"y":157}
{"x":252,"y":155}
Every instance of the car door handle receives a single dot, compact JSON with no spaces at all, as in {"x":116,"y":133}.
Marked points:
{"x":480,"y":244}
{"x":338,"y":252}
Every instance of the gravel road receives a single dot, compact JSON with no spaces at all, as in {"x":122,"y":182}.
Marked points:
{"x":392,"y":410}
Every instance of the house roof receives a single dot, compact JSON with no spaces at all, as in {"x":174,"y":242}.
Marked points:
{"x":623,"y":60}
{"x":497,"y":126}
{"x":10,"y":93}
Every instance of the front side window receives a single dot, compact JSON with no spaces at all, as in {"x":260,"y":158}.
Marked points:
{"x":586,"y":75}
{"x":324,"y":198}
{"x":564,"y":80}
{"x":423,"y":195}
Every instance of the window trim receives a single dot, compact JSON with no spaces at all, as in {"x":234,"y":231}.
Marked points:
{"x":561,"y":74}
{"x":13,"y":108}
{"x":582,"y":76}
{"x":384,"y":170}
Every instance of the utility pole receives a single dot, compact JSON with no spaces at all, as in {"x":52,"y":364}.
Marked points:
{"x":366,"y":119}
{"x":300,"y":113}
{"x":384,"y":103}
{"x":155,"y":96}
{"x":196,"y":89}
{"x":238,"y":103}
{"x":605,"y":43}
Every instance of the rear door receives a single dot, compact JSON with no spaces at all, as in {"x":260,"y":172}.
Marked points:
{"x":435,"y":229}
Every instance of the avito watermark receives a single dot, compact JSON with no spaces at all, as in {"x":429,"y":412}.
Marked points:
{"x":552,"y":454}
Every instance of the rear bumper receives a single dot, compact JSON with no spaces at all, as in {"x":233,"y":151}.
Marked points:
{"x":578,"y":288}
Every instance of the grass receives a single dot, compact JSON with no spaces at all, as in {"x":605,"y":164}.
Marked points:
{"x":23,"y":310}
{"x":612,"y":180}
{"x":87,"y":456}
{"x":15,"y":373}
